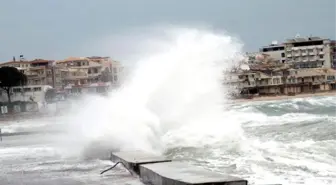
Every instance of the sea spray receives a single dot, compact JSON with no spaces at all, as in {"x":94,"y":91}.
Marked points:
{"x":174,"y":98}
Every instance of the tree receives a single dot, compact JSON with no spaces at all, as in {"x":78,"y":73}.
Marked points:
{"x":10,"y":77}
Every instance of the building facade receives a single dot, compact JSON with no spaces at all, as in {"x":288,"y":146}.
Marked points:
{"x":276,"y":81}
{"x":333,"y":53}
{"x":275,"y":51}
{"x":311,"y":52}
{"x":71,"y":71}
{"x":28,"y":93}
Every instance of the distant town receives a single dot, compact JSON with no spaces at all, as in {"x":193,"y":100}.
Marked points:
{"x":298,"y":65}
{"x":70,"y":77}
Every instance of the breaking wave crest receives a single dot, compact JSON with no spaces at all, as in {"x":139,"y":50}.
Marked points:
{"x":174,"y":97}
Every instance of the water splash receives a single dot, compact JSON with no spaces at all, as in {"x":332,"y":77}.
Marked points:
{"x":174,"y":97}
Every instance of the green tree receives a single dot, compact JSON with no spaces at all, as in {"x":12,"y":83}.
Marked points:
{"x":10,"y":77}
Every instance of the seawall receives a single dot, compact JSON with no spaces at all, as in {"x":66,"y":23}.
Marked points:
{"x":158,"y":170}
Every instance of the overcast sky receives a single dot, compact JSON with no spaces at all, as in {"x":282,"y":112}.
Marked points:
{"x":55,"y":29}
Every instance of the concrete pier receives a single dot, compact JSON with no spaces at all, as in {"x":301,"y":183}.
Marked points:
{"x":157,"y":170}
{"x":133,"y":159}
{"x":179,"y":173}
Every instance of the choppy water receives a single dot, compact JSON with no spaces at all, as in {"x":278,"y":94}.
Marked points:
{"x":288,"y":142}
{"x":174,"y":103}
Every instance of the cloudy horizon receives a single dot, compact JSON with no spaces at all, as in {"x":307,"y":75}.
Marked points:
{"x":58,"y":29}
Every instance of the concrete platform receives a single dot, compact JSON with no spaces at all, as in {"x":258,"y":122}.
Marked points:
{"x":133,"y":159}
{"x":179,"y":173}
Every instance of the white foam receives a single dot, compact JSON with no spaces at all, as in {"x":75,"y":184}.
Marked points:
{"x":175,"y":92}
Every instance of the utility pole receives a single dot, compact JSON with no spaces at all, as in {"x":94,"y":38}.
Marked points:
{"x":52,"y":68}
{"x":53,"y":75}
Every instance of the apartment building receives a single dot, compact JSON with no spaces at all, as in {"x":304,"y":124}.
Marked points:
{"x":285,"y":80}
{"x":333,"y":53}
{"x":45,"y":72}
{"x":23,"y":66}
{"x":311,"y":52}
{"x":38,"y":72}
{"x":275,"y":51}
{"x":80,"y":70}
{"x":112,"y":69}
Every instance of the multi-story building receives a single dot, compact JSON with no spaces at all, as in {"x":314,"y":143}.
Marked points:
{"x":311,"y":52}
{"x":23,"y":66}
{"x":75,"y":71}
{"x":112,"y":70}
{"x":45,"y":72}
{"x":80,"y":70}
{"x":333,"y":54}
{"x":284,"y":80}
{"x":275,"y":51}
{"x":38,"y":72}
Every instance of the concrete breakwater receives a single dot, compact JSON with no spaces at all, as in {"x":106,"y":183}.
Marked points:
{"x":158,"y":170}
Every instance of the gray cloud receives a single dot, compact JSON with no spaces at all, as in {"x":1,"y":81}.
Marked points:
{"x":56,"y":29}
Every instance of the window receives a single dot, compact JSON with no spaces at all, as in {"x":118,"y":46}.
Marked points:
{"x":16,"y":90}
{"x":330,"y":77}
{"x":115,"y":78}
{"x":321,"y":56}
{"x":37,"y":89}
{"x":115,"y":70}
{"x":27,"y":89}
{"x":282,"y":54}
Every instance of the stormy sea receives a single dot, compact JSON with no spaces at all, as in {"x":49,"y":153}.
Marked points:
{"x":174,"y":104}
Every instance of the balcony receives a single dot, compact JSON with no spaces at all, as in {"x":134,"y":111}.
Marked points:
{"x":94,"y":74}
{"x":263,"y":83}
{"x":76,"y":77}
{"x":37,"y":68}
{"x":317,"y":82}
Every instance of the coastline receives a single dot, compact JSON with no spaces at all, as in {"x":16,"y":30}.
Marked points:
{"x":286,"y":97}
{"x":34,"y":115}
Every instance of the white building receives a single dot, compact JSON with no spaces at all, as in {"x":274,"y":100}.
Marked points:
{"x":311,"y":52}
{"x":31,"y":93}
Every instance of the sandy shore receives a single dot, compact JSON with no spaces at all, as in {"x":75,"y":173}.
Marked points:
{"x":285,"y":97}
